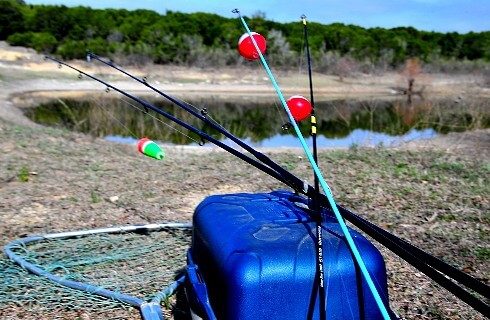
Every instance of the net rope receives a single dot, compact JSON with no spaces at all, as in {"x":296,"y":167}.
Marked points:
{"x":135,"y":264}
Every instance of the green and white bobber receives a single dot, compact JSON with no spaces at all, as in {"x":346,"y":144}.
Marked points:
{"x":150,"y":148}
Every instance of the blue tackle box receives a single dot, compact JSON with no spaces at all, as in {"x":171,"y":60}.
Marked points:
{"x":253,"y":256}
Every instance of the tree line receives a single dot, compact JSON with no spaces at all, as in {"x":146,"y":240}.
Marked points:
{"x":203,"y":39}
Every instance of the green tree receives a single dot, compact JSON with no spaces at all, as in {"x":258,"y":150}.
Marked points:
{"x":203,"y":38}
{"x":40,"y":41}
{"x":72,"y":49}
{"x":11,"y":18}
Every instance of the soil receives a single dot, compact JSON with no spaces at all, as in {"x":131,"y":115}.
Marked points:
{"x":434,"y":193}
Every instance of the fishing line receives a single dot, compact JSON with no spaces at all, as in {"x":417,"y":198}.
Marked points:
{"x":284,"y":123}
{"x":324,"y":185}
{"x":290,"y":179}
{"x":113,"y":117}
{"x":134,"y":135}
{"x":188,"y":107}
{"x":301,"y":55}
{"x":281,"y":174}
{"x":205,"y":113}
{"x":144,"y":81}
{"x":159,"y":120}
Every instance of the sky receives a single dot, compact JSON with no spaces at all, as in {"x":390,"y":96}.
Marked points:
{"x":431,"y":15}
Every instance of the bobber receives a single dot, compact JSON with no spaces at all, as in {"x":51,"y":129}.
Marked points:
{"x":150,"y":148}
{"x":300,"y":107}
{"x":246,"y":46}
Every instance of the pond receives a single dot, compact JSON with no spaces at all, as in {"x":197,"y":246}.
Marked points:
{"x":340,"y":123}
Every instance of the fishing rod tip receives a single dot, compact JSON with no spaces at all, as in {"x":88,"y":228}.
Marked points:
{"x":235,"y":11}
{"x":303,"y":16}
{"x":90,"y":55}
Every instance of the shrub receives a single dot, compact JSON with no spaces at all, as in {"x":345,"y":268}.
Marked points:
{"x":40,"y":41}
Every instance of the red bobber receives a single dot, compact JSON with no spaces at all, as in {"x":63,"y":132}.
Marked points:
{"x":300,"y":107}
{"x":246,"y":47}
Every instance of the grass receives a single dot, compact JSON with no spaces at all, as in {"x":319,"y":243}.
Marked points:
{"x":95,"y":197}
{"x":436,"y":200}
{"x":456,"y":167}
{"x":483,"y":253}
{"x":290,"y":164}
{"x":448,"y":217}
{"x":23,"y":174}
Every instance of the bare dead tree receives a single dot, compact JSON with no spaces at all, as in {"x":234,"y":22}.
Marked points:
{"x":411,"y":71}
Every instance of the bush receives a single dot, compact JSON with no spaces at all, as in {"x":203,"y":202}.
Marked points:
{"x":20,"y":39}
{"x":11,"y":19}
{"x":40,"y":41}
{"x":72,"y":49}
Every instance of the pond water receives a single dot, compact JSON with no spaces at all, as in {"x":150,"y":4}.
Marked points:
{"x":340,"y":123}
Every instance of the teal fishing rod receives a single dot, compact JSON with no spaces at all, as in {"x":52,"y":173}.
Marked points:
{"x":321,"y":180}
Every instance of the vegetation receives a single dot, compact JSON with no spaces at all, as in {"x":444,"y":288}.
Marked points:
{"x":202,"y":39}
{"x":436,"y":198}
{"x":335,"y":119}
{"x":23,"y":174}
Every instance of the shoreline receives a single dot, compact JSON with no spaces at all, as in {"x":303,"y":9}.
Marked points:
{"x":26,"y":77}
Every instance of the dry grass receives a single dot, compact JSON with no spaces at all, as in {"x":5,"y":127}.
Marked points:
{"x":436,"y":199}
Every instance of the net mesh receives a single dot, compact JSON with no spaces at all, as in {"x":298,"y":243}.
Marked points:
{"x":135,"y":264}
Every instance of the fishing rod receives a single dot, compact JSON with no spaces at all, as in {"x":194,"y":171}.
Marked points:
{"x":321,"y":289}
{"x":295,"y":183}
{"x":412,"y":259}
{"x":200,"y":133}
{"x":399,"y":246}
{"x":441,"y":273}
{"x":455,"y":273}
{"x":357,"y":220}
{"x":350,"y":241}
{"x":259,"y":156}
{"x":312,"y":100}
{"x":418,"y":258}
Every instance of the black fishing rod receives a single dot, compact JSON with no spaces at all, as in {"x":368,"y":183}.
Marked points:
{"x":200,"y":133}
{"x":321,"y":288}
{"x":418,"y":258}
{"x":398,"y":246}
{"x":312,"y":100}
{"x":439,"y":271}
{"x":295,"y":183}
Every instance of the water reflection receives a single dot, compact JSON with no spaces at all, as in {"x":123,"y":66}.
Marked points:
{"x":341,"y":123}
{"x":357,"y":137}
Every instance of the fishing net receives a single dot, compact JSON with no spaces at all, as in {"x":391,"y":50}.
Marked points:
{"x":135,"y":264}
